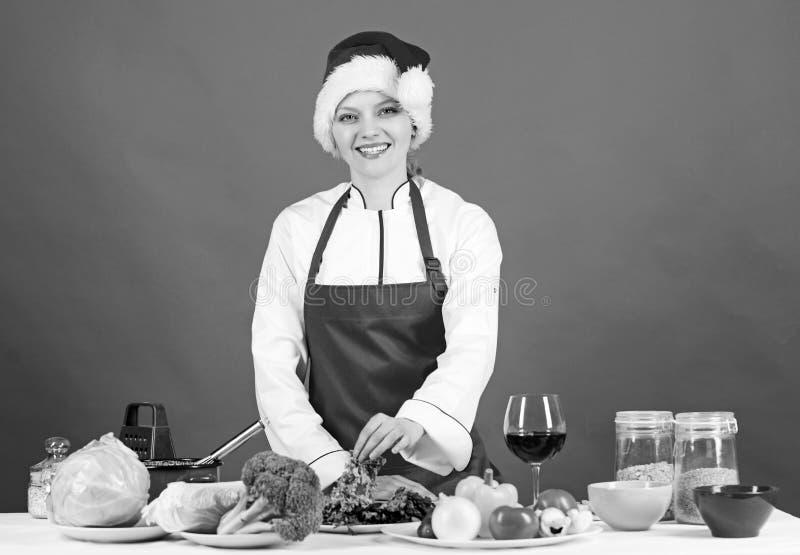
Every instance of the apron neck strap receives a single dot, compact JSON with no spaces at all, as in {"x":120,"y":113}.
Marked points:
{"x":433,"y":267}
{"x":316,"y":261}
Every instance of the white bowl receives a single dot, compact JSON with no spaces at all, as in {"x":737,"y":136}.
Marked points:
{"x":630,"y":505}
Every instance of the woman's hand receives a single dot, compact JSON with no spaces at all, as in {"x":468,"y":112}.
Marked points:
{"x":387,"y":485}
{"x":383,"y":432}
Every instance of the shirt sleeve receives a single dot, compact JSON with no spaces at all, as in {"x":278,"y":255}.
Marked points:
{"x":292,"y":425}
{"x":446,"y":403}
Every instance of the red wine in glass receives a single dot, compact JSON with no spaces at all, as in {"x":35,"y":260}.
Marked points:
{"x":535,"y":447}
{"x":535,"y":430}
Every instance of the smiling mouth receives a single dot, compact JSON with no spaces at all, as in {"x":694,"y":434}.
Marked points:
{"x":373,"y":151}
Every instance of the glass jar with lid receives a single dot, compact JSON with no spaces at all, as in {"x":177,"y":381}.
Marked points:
{"x":705,"y":455}
{"x":41,"y":474}
{"x":645,"y":447}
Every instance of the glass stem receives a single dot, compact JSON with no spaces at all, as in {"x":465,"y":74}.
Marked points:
{"x":535,"y":475}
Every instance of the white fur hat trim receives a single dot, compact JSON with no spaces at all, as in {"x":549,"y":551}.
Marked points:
{"x":413,"y":90}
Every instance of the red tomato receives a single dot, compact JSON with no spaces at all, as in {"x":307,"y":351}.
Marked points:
{"x":513,"y":523}
{"x":558,"y":498}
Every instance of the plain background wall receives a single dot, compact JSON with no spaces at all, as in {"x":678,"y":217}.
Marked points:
{"x":640,"y":160}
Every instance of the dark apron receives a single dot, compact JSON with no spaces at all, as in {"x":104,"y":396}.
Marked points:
{"x":372,"y":346}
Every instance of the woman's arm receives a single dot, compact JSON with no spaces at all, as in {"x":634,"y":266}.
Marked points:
{"x":446,"y":403}
{"x":292,"y":425}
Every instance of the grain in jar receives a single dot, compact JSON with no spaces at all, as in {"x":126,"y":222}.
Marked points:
{"x":705,"y":455}
{"x":644,"y":447}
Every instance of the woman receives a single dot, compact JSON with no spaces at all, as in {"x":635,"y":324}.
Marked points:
{"x":397,"y":347}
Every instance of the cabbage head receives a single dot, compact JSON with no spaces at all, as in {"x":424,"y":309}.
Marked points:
{"x":102,"y":484}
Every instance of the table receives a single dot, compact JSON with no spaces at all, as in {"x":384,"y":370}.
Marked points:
{"x":19,"y":533}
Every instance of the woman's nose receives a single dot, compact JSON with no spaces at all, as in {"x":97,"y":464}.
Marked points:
{"x":369,"y":127}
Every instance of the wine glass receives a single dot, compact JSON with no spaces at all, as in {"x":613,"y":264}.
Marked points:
{"x":535,"y":430}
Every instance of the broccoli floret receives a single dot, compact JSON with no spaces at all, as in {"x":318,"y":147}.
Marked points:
{"x":282,"y":495}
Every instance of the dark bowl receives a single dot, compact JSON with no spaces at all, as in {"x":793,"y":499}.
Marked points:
{"x":163,"y":472}
{"x":737,"y":511}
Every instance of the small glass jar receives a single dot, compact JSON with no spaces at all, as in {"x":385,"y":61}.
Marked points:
{"x":41,"y":474}
{"x":645,"y":447}
{"x":705,"y":455}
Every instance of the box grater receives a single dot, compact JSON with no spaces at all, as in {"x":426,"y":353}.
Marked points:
{"x":149,"y":442}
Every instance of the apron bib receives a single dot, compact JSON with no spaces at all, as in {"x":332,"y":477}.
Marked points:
{"x":372,"y":347}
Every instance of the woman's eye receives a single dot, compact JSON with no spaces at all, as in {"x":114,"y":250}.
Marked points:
{"x":390,"y":110}
{"x":346,"y":118}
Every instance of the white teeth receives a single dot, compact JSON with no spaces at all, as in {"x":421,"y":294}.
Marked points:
{"x":373,"y":149}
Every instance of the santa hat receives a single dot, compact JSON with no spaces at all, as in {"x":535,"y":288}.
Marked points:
{"x":375,"y":61}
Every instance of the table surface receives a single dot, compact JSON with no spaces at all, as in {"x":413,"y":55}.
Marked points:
{"x":19,"y":533}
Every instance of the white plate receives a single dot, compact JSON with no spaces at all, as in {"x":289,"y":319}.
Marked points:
{"x":234,"y":541}
{"x":364,"y":528}
{"x":112,"y":535}
{"x":409,"y":533}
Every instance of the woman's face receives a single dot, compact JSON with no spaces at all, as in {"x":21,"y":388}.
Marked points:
{"x":372,"y":133}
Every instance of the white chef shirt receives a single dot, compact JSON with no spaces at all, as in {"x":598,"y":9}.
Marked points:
{"x":465,"y":241}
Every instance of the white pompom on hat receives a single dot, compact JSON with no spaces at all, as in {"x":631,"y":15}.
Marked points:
{"x":375,"y":61}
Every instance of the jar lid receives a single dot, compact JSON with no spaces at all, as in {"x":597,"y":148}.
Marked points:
{"x":56,"y":445}
{"x":638,"y":422}
{"x":643,"y":417}
{"x":723,"y":421}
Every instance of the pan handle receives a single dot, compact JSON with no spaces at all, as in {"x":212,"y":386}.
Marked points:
{"x":234,"y":443}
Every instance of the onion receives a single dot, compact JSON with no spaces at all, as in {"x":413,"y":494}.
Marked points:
{"x":455,"y":519}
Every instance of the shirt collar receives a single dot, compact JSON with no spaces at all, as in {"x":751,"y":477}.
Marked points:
{"x":401,"y":198}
